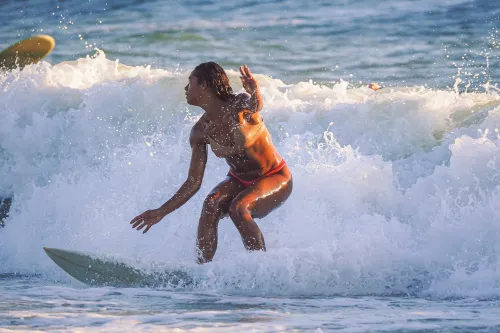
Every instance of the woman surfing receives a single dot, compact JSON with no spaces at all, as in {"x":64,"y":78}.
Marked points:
{"x":258,"y":180}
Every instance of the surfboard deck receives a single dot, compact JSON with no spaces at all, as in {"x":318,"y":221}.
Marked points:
{"x":96,"y":271}
{"x":26,"y":52}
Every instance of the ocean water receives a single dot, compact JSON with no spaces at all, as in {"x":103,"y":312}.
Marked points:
{"x":394,"y":222}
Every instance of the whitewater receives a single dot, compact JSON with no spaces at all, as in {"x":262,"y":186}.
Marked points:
{"x":396,"y":197}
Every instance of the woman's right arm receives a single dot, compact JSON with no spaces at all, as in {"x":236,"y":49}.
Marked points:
{"x":187,"y":190}
{"x":195,"y":173}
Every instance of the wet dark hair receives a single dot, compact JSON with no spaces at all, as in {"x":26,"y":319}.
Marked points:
{"x":215,"y":77}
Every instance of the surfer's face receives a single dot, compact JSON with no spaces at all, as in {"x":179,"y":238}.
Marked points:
{"x":194,"y":90}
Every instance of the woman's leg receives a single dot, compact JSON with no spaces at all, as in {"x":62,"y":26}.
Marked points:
{"x":257,"y":201}
{"x":215,"y":207}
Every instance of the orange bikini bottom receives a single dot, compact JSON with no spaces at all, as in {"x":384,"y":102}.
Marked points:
{"x":248,"y":183}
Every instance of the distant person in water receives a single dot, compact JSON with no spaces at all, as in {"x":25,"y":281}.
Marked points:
{"x":258,"y":180}
{"x":374,"y":86}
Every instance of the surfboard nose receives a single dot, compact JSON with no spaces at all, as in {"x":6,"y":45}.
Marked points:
{"x":51,"y":252}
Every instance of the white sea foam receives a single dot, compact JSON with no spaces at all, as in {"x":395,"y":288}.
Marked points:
{"x":394,"y":191}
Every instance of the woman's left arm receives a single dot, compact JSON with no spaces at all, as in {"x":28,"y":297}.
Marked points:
{"x":253,"y":103}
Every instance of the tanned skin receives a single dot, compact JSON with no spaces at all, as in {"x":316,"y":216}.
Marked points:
{"x":249,"y":162}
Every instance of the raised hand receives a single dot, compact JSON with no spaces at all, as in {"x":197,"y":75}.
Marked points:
{"x":147,"y":219}
{"x":249,"y":82}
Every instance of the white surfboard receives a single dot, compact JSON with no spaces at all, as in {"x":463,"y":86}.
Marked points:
{"x":93,"y":270}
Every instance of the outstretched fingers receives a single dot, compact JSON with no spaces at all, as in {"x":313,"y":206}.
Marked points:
{"x":145,"y":221}
{"x":247,"y":71}
{"x":146,"y":230}
{"x":137,"y":224}
{"x":136,"y":220}
{"x":142,"y":225}
{"x":140,"y":222}
{"x":243,"y":76}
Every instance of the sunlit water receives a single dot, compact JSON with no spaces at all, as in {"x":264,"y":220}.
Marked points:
{"x":393,"y":224}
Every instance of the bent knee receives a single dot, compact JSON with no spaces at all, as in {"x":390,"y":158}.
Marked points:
{"x":212,"y":204}
{"x":238,"y":209}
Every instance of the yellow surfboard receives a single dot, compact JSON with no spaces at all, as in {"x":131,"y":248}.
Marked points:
{"x":26,"y":52}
